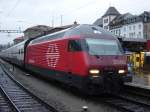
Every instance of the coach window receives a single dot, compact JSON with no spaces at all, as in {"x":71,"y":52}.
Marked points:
{"x":22,"y":51}
{"x":19,"y":51}
{"x":74,"y":46}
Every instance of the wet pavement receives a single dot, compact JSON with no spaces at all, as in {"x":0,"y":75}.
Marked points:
{"x":141,"y":79}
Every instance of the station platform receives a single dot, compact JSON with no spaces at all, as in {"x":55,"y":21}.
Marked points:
{"x":141,"y":79}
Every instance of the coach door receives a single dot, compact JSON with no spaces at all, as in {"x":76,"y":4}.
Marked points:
{"x":74,"y":48}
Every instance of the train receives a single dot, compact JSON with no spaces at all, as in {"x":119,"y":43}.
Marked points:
{"x":83,"y":56}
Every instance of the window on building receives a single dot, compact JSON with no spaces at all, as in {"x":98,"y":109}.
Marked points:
{"x":134,"y":34}
{"x":105,"y":20}
{"x":119,"y":31}
{"x":124,"y":35}
{"x":139,"y":34}
{"x":145,"y":28}
{"x":124,"y":28}
{"x":130,"y":35}
{"x":134,"y":27}
{"x":105,"y":27}
{"x":145,"y":36}
{"x":129,"y":27}
{"x":139,"y":26}
{"x":116,"y":32}
{"x":145,"y":19}
{"x":134,"y":19}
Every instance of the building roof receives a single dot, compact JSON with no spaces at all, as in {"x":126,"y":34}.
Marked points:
{"x":128,"y":19}
{"x":146,"y":16}
{"x":111,"y":11}
{"x":19,"y":38}
{"x":125,"y":16}
{"x":118,"y":19}
{"x":99,"y":22}
{"x":39,"y":28}
{"x":145,"y":13}
{"x":55,"y":29}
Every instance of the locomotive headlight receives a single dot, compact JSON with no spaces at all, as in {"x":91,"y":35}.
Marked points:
{"x":94,"y":71}
{"x":121,"y":71}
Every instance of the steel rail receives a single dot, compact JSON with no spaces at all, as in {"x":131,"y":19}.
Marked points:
{"x":23,"y":94}
{"x":6,"y":103}
{"x":127,"y":104}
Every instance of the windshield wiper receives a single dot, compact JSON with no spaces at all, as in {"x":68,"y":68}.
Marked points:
{"x":94,"y":54}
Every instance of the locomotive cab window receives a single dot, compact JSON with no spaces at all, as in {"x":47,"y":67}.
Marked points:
{"x":103,"y":47}
{"x":74,"y":45}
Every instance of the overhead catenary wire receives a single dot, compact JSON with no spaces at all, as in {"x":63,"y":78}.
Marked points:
{"x":13,"y":8}
{"x":72,"y":11}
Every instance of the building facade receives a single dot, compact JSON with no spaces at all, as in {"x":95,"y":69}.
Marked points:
{"x":109,"y":15}
{"x":147,"y":33}
{"x":107,"y":20}
{"x":18,"y":39}
{"x":125,"y":25}
{"x":132,"y":27}
{"x":147,"y":25}
{"x":133,"y":30}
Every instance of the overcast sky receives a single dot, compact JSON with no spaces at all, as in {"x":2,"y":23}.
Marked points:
{"x":27,"y":13}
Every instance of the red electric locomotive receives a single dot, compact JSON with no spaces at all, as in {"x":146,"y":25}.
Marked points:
{"x":84,"y":56}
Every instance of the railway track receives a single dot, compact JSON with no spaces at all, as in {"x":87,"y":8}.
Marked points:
{"x":15,"y":98}
{"x":5,"y":104}
{"x":134,"y":89}
{"x":127,"y":103}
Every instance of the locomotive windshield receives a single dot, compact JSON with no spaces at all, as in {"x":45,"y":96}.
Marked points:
{"x":103,"y":47}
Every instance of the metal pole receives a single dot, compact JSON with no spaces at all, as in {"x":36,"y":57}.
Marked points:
{"x":61,"y":19}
